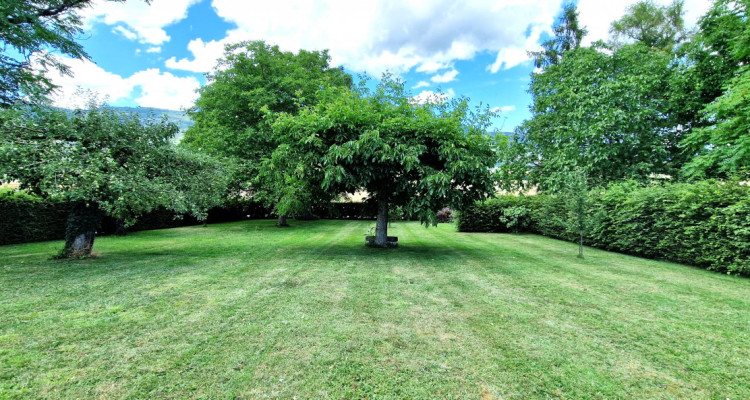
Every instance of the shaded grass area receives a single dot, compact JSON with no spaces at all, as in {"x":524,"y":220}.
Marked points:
{"x":246,"y":310}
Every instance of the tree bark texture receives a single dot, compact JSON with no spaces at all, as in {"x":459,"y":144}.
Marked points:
{"x":381,"y":226}
{"x":80,"y":230}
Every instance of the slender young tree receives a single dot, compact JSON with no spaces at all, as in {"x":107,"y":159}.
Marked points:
{"x":568,"y":36}
{"x":577,"y":201}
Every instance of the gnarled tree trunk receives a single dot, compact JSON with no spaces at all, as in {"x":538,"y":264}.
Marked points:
{"x":80,"y":230}
{"x":381,"y":226}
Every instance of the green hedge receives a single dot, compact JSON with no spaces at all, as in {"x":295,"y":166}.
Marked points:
{"x":25,"y":218}
{"x":706,"y":224}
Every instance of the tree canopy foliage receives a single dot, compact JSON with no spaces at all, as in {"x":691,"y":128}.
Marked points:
{"x":597,"y":111}
{"x":716,"y":88}
{"x":658,"y":27}
{"x":422,"y":157}
{"x":103,"y":161}
{"x":659,"y":103}
{"x":252,"y":83}
{"x":568,"y":36}
{"x":32,"y":34}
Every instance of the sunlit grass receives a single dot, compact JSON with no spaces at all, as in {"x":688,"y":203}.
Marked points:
{"x":247,"y":310}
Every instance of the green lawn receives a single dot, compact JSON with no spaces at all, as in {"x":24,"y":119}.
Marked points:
{"x":246,"y":310}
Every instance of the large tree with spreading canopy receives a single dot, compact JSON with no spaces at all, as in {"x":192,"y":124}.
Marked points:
{"x":252,"y":83}
{"x":422,"y":157}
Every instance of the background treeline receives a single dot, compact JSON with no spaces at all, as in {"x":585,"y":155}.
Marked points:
{"x":706,"y":224}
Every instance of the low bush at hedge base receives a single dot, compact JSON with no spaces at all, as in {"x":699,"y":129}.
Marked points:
{"x":706,"y":224}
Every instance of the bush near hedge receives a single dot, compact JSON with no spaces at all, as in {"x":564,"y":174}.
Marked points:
{"x":706,"y":224}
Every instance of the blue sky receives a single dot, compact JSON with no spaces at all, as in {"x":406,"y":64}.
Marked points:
{"x":155,"y":55}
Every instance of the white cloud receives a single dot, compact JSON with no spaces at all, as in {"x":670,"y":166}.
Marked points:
{"x":164,"y":90}
{"x":158,"y":89}
{"x":421,"y":84}
{"x":125,"y":32}
{"x":144,"y":22}
{"x":428,"y":96}
{"x":504,"y":109}
{"x":374,"y":36}
{"x":204,"y":56}
{"x":449,"y":76}
{"x":597,"y":15}
{"x":155,"y":49}
{"x":431,"y":67}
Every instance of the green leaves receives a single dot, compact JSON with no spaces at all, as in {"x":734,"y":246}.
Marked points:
{"x":601,"y":112}
{"x":723,"y":148}
{"x":38,"y":31}
{"x":124,"y":166}
{"x":422,"y":157}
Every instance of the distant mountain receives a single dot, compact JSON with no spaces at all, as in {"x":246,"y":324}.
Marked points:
{"x":146,"y":113}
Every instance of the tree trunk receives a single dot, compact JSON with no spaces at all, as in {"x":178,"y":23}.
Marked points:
{"x":80,"y":230}
{"x":282,"y":221}
{"x":381,"y":226}
{"x":580,"y":246}
{"x":120,"y":229}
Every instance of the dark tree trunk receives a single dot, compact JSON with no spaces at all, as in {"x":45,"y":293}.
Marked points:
{"x":381,"y":226}
{"x":80,"y":230}
{"x":120,"y":227}
{"x":282,"y":221}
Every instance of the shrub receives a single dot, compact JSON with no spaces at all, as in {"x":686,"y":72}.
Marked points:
{"x":26,"y":218}
{"x":445,"y":215}
{"x":506,"y":213}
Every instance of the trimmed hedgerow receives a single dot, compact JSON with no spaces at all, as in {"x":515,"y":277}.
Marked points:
{"x":706,"y":224}
{"x":501,"y":214}
{"x":27,"y":218}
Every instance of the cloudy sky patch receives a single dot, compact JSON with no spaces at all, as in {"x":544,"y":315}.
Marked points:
{"x":478,"y":47}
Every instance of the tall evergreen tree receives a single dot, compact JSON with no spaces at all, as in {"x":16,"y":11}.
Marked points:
{"x":568,"y":36}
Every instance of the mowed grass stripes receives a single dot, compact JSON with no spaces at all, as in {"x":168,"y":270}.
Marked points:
{"x":247,"y":310}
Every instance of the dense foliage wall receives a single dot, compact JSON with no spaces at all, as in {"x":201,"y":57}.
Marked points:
{"x":25,"y":218}
{"x":706,"y":224}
